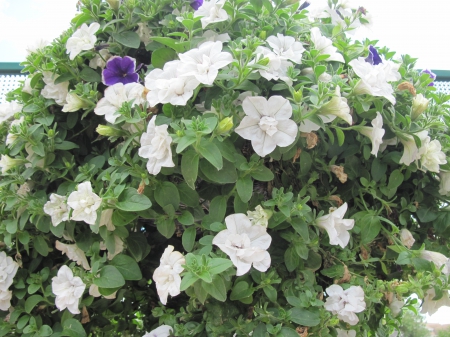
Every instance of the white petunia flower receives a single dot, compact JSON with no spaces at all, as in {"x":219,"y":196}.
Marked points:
{"x":259,"y":216}
{"x":205,"y":61}
{"x":245,"y":244}
{"x":58,"y":92}
{"x":374,"y":78}
{"x":167,"y":275}
{"x":336,"y":226}
{"x":27,"y":86}
{"x":168,"y":85}
{"x":438,"y":259}
{"x":162,"y":331}
{"x":396,"y":306}
{"x":286,"y":47}
{"x":7,"y":163}
{"x":211,"y":12}
{"x":276,"y":67}
{"x":211,"y":35}
{"x":411,"y":152}
{"x":144,"y":33}
{"x":57,"y":208}
{"x":267,"y":123}
{"x":11,"y":137}
{"x":82,"y":39}
{"x":68,"y":290}
{"x":115,"y":96}
{"x":375,"y":133}
{"x":99,"y":61}
{"x":429,"y":306}
{"x":431,"y":156}
{"x":84,"y":203}
{"x":345,"y":303}
{"x":106,"y":219}
{"x":336,"y":106}
{"x":419,"y":105}
{"x":155,"y":146}
{"x":93,"y":291}
{"x":325,"y":46}
{"x":8,"y":269}
{"x":38,"y":45}
{"x":8,"y":109}
{"x":74,"y":253}
{"x":444,"y":185}
{"x":74,"y":103}
{"x":407,"y":238}
{"x":345,"y":333}
{"x":5,"y":299}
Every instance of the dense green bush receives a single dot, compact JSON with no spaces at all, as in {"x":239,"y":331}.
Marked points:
{"x":221,"y":168}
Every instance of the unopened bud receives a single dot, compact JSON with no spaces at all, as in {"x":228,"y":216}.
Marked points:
{"x":180,"y":133}
{"x":29,"y":119}
{"x":333,"y":321}
{"x":108,"y":131}
{"x":401,"y":289}
{"x":419,"y":105}
{"x":298,"y":96}
{"x":17,"y":115}
{"x":263,"y":35}
{"x":406,"y":238}
{"x":51,"y":133}
{"x":224,"y":125}
{"x":115,"y":4}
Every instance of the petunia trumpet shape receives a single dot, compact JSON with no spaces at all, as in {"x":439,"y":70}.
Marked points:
{"x":411,"y":152}
{"x":375,"y":133}
{"x":336,"y":226}
{"x":345,"y":303}
{"x":244,"y":243}
{"x":430,"y":306}
{"x":438,"y":259}
{"x":267,"y":123}
{"x":68,"y":290}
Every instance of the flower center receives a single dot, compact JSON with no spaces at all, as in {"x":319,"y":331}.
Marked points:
{"x":268,"y":125}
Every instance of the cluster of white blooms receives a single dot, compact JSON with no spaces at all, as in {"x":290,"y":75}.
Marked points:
{"x":58,"y":92}
{"x":83,"y":202}
{"x":167,"y":275}
{"x":8,"y":269}
{"x":245,"y":244}
{"x":336,"y":226}
{"x":68,"y":290}
{"x":7,"y":110}
{"x":162,"y":331}
{"x":211,"y":12}
{"x":83,"y":39}
{"x":345,"y":303}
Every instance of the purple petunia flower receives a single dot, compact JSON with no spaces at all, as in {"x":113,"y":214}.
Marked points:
{"x":432,"y":76}
{"x":120,"y":70}
{"x":373,"y":58}
{"x":196,"y":4}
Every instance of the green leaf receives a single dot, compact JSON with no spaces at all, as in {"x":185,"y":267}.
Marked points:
{"x":370,"y":227}
{"x":128,"y":39}
{"x":186,"y":218}
{"x":189,"y":168}
{"x":188,"y":238}
{"x":137,"y":246}
{"x":262,"y":173}
{"x":45,"y":331}
{"x":244,"y":186}
{"x":211,"y":153}
{"x":271,"y":293}
{"x":301,"y":227}
{"x":319,"y":70}
{"x":63,"y":78}
{"x":167,"y":194}
{"x":32,"y":301}
{"x":217,"y":209}
{"x":216,"y":288}
{"x":395,"y":180}
{"x":378,"y":169}
{"x":65,"y":145}
{"x":336,"y":271}
{"x":340,"y":136}
{"x":166,"y":227}
{"x":90,"y":75}
{"x":110,"y":277}
{"x":288,"y":332}
{"x":122,"y":218}
{"x":219,"y":265}
{"x":161,"y":56}
{"x":305,"y":317}
{"x":291,"y":259}
{"x":73,"y":328}
{"x":241,"y":290}
{"x":188,"y":280}
{"x":404,"y":258}
{"x":40,"y":245}
{"x":188,"y":196}
{"x":127,"y":266}
{"x":226,"y":175}
{"x":131,"y":201}
{"x":179,"y":47}
{"x":426,"y":214}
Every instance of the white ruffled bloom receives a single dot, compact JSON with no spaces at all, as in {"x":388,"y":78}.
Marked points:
{"x":68,"y":290}
{"x":8,"y":109}
{"x":259,"y":216}
{"x":167,"y":275}
{"x":375,"y":133}
{"x":57,"y":208}
{"x":431,"y":156}
{"x":8,"y":269}
{"x":205,"y":61}
{"x":155,"y":146}
{"x":162,"y":331}
{"x":276,"y":67}
{"x":93,"y":291}
{"x":429,"y":306}
{"x":419,"y":105}
{"x":11,"y":137}
{"x":84,"y":203}
{"x":244,"y":243}
{"x":99,"y":61}
{"x":407,"y":238}
{"x":345,"y":303}
{"x":336,"y":226}
{"x":58,"y":92}
{"x":374,"y":78}
{"x":411,"y":152}
{"x":444,"y":186}
{"x":325,"y":46}
{"x":267,"y":123}
{"x":286,"y":48}
{"x":74,"y":103}
{"x":211,"y":12}
{"x":38,"y":45}
{"x":115,"y":96}
{"x":336,"y":107}
{"x":82,"y":39}
{"x":438,"y":259}
{"x":74,"y":253}
{"x":7,"y":163}
{"x":5,"y":299}
{"x":168,"y":85}
{"x":144,"y":33}
{"x":396,"y":306}
{"x":211,"y":35}
{"x":345,"y":333}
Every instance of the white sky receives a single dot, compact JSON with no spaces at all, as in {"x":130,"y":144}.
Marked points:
{"x":418,"y":28}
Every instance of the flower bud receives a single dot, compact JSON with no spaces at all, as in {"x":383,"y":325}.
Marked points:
{"x":263,"y":35}
{"x":17,"y":115}
{"x":109,"y":131}
{"x":29,"y":119}
{"x":51,"y":133}
{"x":298,"y":96}
{"x":401,"y":289}
{"x":406,"y":238}
{"x":419,"y":105}
{"x":265,"y":61}
{"x":224,"y":125}
{"x":180,"y":133}
{"x":74,"y":103}
{"x":115,"y":4}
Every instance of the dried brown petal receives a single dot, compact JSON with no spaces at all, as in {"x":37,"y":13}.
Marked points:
{"x":339,"y":172}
